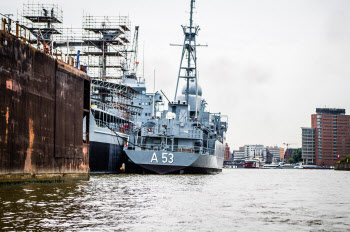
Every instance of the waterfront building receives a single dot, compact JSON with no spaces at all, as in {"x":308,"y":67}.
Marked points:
{"x":328,"y":137}
{"x":269,"y":157}
{"x":255,"y":151}
{"x":277,"y":153}
{"x":228,"y":155}
{"x":238,"y":155}
{"x":308,"y":145}
{"x":281,"y":153}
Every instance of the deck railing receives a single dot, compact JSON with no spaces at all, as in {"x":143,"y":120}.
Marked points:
{"x":174,"y":148}
{"x":116,"y":127}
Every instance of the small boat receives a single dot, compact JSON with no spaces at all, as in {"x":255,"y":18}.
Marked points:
{"x":271,"y":166}
{"x":299,"y":166}
{"x":249,"y":164}
{"x":286,"y":166}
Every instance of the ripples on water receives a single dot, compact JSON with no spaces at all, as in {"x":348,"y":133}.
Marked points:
{"x":235,"y":200}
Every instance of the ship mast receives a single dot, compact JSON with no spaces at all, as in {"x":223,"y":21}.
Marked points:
{"x":188,"y":64}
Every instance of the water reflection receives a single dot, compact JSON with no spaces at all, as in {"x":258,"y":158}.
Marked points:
{"x":234,"y":200}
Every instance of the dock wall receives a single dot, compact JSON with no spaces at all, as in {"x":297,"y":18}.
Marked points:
{"x":42,"y":105}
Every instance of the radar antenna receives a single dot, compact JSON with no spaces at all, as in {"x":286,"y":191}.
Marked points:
{"x":188,"y":64}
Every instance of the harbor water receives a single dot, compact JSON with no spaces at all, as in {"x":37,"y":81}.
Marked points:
{"x":235,"y":200}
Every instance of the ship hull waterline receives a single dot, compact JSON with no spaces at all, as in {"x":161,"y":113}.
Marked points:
{"x":164,"y":162}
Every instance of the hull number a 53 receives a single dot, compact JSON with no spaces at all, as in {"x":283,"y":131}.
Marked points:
{"x":166,"y":158}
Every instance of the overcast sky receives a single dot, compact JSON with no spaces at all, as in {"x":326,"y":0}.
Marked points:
{"x":268,"y":65}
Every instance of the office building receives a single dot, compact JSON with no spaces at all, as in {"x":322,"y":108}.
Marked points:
{"x":308,"y":145}
{"x":238,"y":155}
{"x":327,"y":138}
{"x":255,"y":151}
{"x":277,"y":153}
{"x":228,"y":155}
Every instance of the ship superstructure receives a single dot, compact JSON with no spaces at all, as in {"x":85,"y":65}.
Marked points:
{"x":185,"y":138}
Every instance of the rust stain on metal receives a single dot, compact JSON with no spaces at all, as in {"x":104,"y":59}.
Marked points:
{"x":28,"y":162}
{"x":83,"y":166}
{"x":9,"y":84}
{"x":7,"y":122}
{"x":7,"y":115}
{"x":16,"y":87}
{"x":12,"y":85}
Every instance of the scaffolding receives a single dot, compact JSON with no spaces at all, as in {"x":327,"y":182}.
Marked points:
{"x":106,"y":40}
{"x":43,"y":21}
{"x":112,"y":105}
{"x":101,"y":47}
{"x":41,"y":26}
{"x":68,"y":44}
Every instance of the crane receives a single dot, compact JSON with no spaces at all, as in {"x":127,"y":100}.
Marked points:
{"x":287,"y":144}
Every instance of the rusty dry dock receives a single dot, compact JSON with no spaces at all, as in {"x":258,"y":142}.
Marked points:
{"x":42,"y":105}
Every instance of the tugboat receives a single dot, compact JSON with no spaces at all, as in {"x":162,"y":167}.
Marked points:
{"x":185,"y":138}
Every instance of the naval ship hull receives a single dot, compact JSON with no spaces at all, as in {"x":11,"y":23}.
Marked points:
{"x":160,"y":162}
{"x":206,"y":164}
{"x":105,"y":157}
{"x":164,"y":162}
{"x":106,"y":149}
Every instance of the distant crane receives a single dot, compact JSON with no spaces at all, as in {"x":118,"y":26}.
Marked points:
{"x":287,"y":144}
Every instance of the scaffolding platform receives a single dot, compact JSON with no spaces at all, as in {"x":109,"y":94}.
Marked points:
{"x":43,"y":19}
{"x":100,"y":42}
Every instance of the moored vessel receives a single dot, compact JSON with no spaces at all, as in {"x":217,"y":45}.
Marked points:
{"x":271,"y":166}
{"x":185,"y":138}
{"x":287,"y":166}
{"x":112,"y":119}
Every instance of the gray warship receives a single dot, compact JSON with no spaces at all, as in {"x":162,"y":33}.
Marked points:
{"x":185,"y":138}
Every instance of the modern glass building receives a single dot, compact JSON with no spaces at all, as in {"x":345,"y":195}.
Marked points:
{"x":308,"y":145}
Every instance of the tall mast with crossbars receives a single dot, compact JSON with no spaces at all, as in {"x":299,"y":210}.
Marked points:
{"x":188,"y":64}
